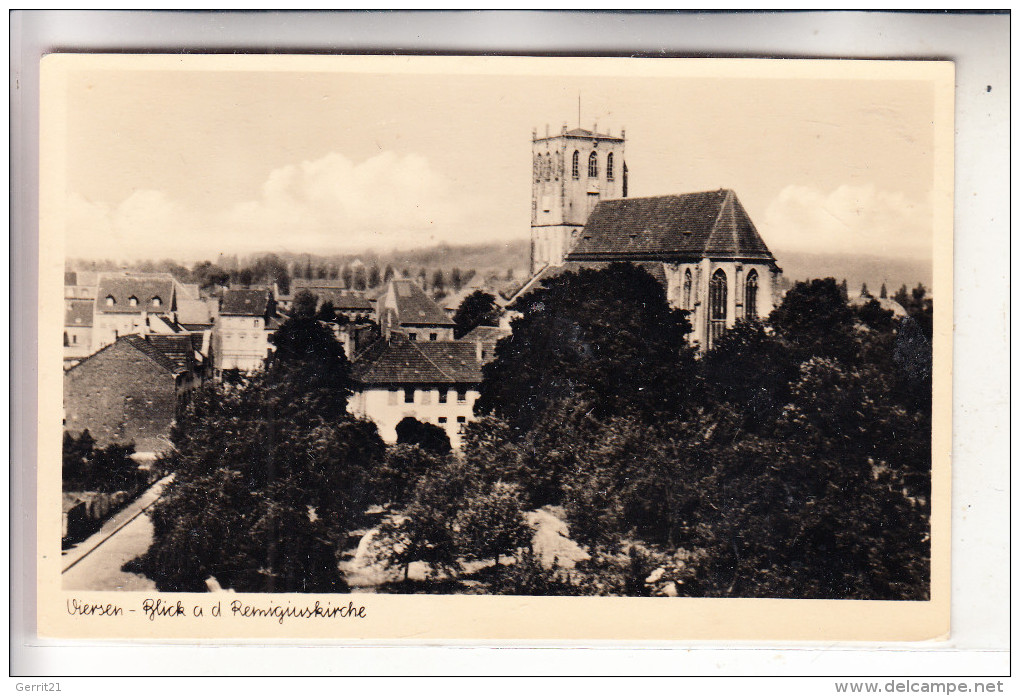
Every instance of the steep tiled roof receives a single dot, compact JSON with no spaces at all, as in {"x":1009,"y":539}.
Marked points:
{"x":78,"y":312}
{"x":411,"y":362}
{"x":158,"y":356}
{"x":144,"y":288}
{"x":178,"y":348}
{"x":415,"y":307}
{"x":709,"y":223}
{"x":247,"y":303}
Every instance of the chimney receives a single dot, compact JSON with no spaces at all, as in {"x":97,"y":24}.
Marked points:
{"x":623,"y":134}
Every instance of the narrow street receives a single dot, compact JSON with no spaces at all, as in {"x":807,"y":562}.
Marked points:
{"x":94,"y":563}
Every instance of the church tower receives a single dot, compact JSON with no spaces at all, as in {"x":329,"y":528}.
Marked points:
{"x":572,"y":172}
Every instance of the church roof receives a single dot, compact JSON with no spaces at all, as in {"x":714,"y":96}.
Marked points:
{"x":708,"y":223}
{"x":581,"y":133}
{"x":414,"y":362}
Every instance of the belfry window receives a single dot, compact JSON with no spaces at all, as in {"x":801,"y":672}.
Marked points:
{"x":751,"y":295}
{"x":539,"y":164}
{"x":716,"y":307}
{"x":548,"y":166}
{"x":609,"y":166}
{"x":575,"y":167}
{"x":593,"y":166}
{"x":688,"y":285}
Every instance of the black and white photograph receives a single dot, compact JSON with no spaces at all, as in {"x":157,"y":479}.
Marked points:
{"x":503,"y":326}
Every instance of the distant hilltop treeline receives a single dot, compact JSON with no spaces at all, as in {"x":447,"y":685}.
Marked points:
{"x":434,"y":267}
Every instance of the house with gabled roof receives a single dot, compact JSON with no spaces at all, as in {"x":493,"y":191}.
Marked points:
{"x":77,"y":329}
{"x":247,"y":318}
{"x":405,"y":310}
{"x":433,"y":381}
{"x":126,"y":303}
{"x":130,"y":390}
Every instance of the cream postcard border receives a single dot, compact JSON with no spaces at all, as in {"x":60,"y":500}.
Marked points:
{"x":438,"y":618}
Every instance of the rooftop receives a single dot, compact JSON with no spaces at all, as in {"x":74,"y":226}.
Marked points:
{"x":248,"y":303}
{"x":414,"y":307}
{"x":708,"y":223}
{"x":133,"y":294}
{"x":412,"y":362}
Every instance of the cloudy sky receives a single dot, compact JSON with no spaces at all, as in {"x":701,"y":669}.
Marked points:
{"x":190,"y":163}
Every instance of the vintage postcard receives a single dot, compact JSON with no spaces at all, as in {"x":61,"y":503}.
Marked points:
{"x":419,"y":348}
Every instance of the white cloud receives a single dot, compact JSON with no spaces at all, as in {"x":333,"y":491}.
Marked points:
{"x":328,"y":204}
{"x":332,"y":202}
{"x":851,"y":219}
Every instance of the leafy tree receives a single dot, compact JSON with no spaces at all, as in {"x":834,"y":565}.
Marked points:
{"x":843,"y":291}
{"x":814,"y":320}
{"x":209,"y":275}
{"x":438,"y":281}
{"x":360,"y":279}
{"x":864,"y":290}
{"x":607,"y":337}
{"x":432,"y":438}
{"x":347,"y":276}
{"x":374,"y":277}
{"x":270,"y":475}
{"x":883,"y":293}
{"x":394,"y":480}
{"x":304,"y":305}
{"x":106,"y":469}
{"x":491,"y":523}
{"x":456,"y":280}
{"x":388,"y":274}
{"x":477,"y":309}
{"x":271,"y":269}
{"x":326,"y":311}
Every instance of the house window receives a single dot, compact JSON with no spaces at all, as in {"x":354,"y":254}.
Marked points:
{"x":575,"y":167}
{"x":593,"y":165}
{"x":442,"y":395}
{"x":409,"y":395}
{"x":74,"y":339}
{"x":442,"y":420}
{"x":392,"y":396}
{"x":110,"y":301}
{"x":461,"y":423}
{"x":688,"y":286}
{"x":412,"y":337}
{"x":461,"y":396}
{"x":751,"y":295}
{"x":65,"y":339}
{"x":716,"y":306}
{"x":433,"y":336}
{"x":609,"y":166}
{"x":156,"y":302}
{"x":133,"y":301}
{"x":255,"y":323}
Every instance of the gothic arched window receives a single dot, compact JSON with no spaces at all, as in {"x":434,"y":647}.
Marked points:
{"x":716,"y":306}
{"x":593,"y":165}
{"x":609,"y":166}
{"x":688,"y":285}
{"x":539,"y":164}
{"x":548,"y":166}
{"x":575,"y":167}
{"x":751,"y":295}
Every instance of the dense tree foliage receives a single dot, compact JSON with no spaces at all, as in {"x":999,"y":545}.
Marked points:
{"x":477,"y":309}
{"x":106,"y":469}
{"x":269,"y":475}
{"x":432,"y":438}
{"x":608,"y":338}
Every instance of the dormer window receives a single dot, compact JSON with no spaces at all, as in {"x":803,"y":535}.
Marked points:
{"x":133,"y":301}
{"x":110,"y":301}
{"x":157,"y":302}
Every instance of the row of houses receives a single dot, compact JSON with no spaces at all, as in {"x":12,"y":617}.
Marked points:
{"x":131,"y":360}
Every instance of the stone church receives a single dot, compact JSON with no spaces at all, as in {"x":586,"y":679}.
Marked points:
{"x":703,"y":247}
